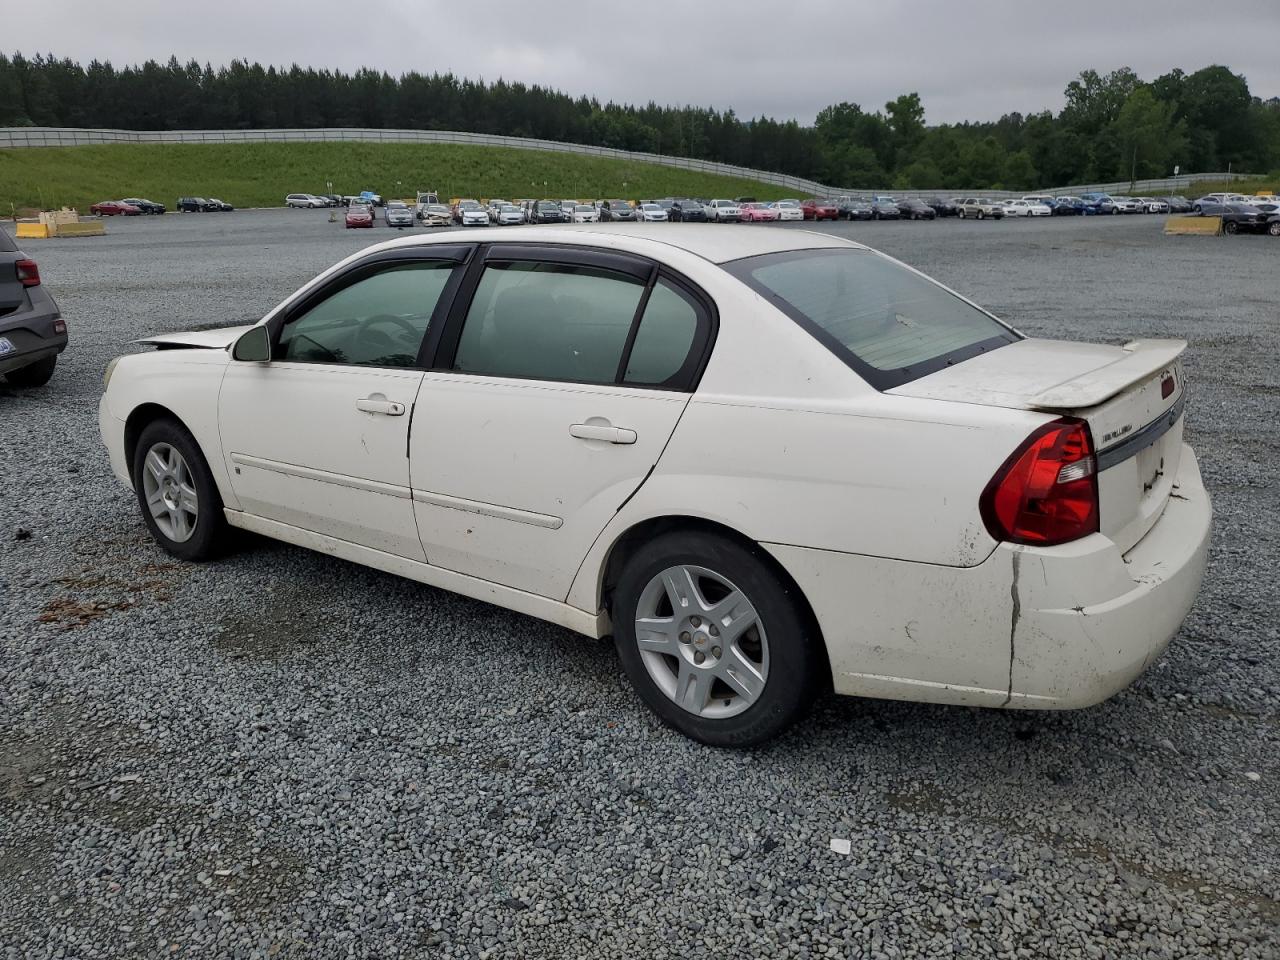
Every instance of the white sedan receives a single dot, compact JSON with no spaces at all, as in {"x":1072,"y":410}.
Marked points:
{"x":585,"y":213}
{"x":1026,"y":208}
{"x":788,"y":210}
{"x":651,"y":213}
{"x":765,"y":462}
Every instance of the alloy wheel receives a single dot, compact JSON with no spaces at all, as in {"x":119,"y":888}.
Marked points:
{"x":170,"y":492}
{"x":702,"y":642}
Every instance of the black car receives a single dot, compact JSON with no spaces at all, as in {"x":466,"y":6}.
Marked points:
{"x":146,"y":206}
{"x":854,"y":208}
{"x":1177,"y":204}
{"x":1273,"y":224}
{"x":218,"y":206}
{"x":916,"y":210}
{"x":617,"y":210}
{"x":687,"y":211}
{"x":546,"y":211}
{"x":1066,"y":206}
{"x":943,"y":208}
{"x":32,"y":331}
{"x":194,"y":205}
{"x":883,"y":209}
{"x":1242,"y":218}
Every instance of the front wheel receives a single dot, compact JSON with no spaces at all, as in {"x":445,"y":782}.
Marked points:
{"x":1273,"y":228}
{"x":1231,"y":228}
{"x":981,"y":214}
{"x":713,"y":642}
{"x":180,"y":502}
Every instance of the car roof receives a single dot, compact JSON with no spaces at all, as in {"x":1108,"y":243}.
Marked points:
{"x":710,"y":241}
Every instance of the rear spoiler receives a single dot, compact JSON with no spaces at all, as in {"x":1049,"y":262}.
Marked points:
{"x":1142,"y":359}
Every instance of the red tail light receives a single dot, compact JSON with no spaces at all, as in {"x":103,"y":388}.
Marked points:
{"x":28,"y":273}
{"x":1046,"y":492}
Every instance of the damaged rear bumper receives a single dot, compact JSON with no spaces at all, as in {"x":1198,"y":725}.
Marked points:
{"x":1030,"y":627}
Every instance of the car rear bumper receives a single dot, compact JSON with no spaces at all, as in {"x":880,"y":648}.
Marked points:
{"x":33,"y":331}
{"x":1033,"y":628}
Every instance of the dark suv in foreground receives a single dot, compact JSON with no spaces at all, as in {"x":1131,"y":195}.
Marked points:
{"x":32,"y":331}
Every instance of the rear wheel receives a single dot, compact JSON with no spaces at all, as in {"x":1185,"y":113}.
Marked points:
{"x":1231,"y":228}
{"x":179,"y":500}
{"x":1273,"y":228}
{"x":981,"y":214}
{"x":33,"y":374}
{"x":714,"y":643}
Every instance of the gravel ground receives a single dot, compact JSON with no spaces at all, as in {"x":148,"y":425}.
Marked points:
{"x":282,"y":754}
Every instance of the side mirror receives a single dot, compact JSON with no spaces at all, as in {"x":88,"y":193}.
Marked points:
{"x":254,"y":345}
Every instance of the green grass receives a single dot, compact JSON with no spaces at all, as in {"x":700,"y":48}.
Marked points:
{"x":260,"y":174}
{"x":1245,"y":185}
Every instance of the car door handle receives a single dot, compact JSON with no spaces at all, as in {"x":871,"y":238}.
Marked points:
{"x":380,"y":404}
{"x":602,"y":431}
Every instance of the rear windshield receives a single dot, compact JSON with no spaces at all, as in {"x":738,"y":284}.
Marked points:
{"x":888,"y":323}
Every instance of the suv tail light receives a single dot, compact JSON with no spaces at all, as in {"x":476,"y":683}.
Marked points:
{"x":1046,"y":493}
{"x":28,"y":273}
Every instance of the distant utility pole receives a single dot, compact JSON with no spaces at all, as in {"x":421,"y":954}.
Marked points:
{"x":1133,"y":170}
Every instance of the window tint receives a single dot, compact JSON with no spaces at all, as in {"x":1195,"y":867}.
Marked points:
{"x":548,"y":321}
{"x":666,"y":333}
{"x":379,"y":321}
{"x":890,"y":324}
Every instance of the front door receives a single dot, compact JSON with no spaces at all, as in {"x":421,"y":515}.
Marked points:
{"x":318,"y":438}
{"x":557,"y":395}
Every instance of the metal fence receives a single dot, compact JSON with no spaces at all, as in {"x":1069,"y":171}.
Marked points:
{"x":19,"y":137}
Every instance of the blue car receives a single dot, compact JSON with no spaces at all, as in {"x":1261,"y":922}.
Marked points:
{"x":1095,"y":203}
{"x":1067,"y":206}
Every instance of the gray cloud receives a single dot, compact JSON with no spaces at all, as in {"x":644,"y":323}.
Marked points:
{"x":967,"y":61}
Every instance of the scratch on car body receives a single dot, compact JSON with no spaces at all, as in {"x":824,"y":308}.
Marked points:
{"x":1013,"y":626}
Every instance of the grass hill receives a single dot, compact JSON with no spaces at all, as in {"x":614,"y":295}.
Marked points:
{"x":260,"y":174}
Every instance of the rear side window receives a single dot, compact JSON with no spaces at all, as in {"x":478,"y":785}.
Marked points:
{"x":583,"y":324}
{"x":548,"y":321}
{"x":6,"y":242}
{"x":666,"y":334}
{"x":888,"y":323}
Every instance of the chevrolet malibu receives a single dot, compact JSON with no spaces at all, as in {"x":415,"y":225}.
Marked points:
{"x":765,"y":462}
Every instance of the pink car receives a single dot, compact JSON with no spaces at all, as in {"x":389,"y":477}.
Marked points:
{"x":757,"y":212}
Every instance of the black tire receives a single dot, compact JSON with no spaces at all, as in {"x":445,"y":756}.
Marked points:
{"x":1231,"y":228}
{"x":961,"y":215}
{"x":797,"y":660}
{"x":1273,"y":228}
{"x":209,"y":538}
{"x":33,"y":374}
{"x":982,"y":214}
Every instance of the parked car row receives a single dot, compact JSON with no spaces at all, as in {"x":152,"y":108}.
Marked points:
{"x":129,"y":207}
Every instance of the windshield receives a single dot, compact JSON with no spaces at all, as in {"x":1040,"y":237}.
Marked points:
{"x":649,"y":206}
{"x":885,"y":321}
{"x":583,"y":208}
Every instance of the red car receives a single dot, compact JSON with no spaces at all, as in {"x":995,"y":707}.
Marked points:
{"x":757,"y":213}
{"x":819,"y":210}
{"x":358,"y":216}
{"x":110,"y":208}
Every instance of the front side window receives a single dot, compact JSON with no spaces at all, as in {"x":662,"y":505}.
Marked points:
{"x":378,"y":321}
{"x":888,"y":323}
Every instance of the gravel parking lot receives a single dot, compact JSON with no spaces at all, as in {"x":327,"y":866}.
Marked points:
{"x":283,"y":754}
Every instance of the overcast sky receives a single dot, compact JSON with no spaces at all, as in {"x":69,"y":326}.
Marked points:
{"x":782,"y":58}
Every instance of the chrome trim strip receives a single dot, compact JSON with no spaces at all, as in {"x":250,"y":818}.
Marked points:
{"x":324,"y":476}
{"x":1143,"y":437}
{"x":488,"y":509}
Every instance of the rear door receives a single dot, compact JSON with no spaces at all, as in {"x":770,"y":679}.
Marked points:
{"x":562,"y":376}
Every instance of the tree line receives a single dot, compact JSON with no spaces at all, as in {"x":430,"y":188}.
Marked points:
{"x":1114,"y":126}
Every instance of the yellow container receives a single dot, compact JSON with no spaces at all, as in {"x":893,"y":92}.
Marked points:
{"x":92,"y":228}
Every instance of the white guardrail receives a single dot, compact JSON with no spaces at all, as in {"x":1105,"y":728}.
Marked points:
{"x":22,"y":137}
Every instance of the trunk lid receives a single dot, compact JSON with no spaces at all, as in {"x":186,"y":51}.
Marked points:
{"x":1131,"y":396}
